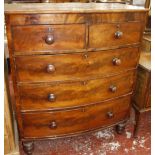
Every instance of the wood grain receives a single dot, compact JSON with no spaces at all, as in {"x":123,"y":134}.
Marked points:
{"x":131,"y":34}
{"x":142,"y":93}
{"x":66,"y":37}
{"x":84,"y":35}
{"x":142,"y":90}
{"x":75,"y":66}
{"x":72,"y":18}
{"x":35,"y":97}
{"x":74,"y":121}
{"x":16,"y":104}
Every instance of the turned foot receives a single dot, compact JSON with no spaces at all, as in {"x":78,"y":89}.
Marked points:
{"x":28,"y":147}
{"x":120,"y":128}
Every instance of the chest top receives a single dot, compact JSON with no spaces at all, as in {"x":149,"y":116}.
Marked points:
{"x":70,"y":8}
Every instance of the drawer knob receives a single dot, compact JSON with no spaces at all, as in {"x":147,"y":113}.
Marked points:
{"x":116,"y":61}
{"x":50,"y":68}
{"x":113,"y":88}
{"x":53,"y":125}
{"x":118,"y":34}
{"x":49,"y":39}
{"x":51,"y":97}
{"x":110,"y":114}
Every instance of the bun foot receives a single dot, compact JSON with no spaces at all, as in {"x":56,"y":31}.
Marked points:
{"x":28,"y":147}
{"x":120,"y":128}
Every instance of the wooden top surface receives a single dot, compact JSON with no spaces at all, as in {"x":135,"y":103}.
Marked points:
{"x":70,"y":8}
{"x":145,"y":60}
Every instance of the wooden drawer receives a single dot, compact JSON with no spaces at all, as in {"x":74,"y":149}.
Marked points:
{"x":108,"y":35}
{"x":42,"y":38}
{"x":59,"y":123}
{"x":48,"y":68}
{"x":58,"y":96}
{"x":78,"y":18}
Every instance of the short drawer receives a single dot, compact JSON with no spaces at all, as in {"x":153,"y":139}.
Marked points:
{"x":73,"y":94}
{"x":60,"y":67}
{"x":44,"y":38}
{"x":109,"y":35}
{"x":60,"y":123}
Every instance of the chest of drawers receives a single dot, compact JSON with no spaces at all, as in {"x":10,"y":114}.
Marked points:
{"x":73,"y":66}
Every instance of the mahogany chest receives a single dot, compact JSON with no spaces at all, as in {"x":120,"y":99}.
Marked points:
{"x":73,"y":66}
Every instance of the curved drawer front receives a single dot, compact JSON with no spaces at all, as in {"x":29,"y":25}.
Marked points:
{"x":75,"y":66}
{"x":74,"y":121}
{"x":108,"y":35}
{"x":59,"y":96}
{"x":27,"y":39}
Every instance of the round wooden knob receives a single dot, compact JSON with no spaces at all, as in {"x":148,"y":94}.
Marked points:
{"x":51,"y":97}
{"x":50,"y":68}
{"x":118,"y":34}
{"x":110,"y":114}
{"x":113,"y":88}
{"x":53,"y":125}
{"x":49,"y":39}
{"x":116,"y":61}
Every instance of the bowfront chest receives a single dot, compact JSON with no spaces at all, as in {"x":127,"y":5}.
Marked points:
{"x":73,"y":66}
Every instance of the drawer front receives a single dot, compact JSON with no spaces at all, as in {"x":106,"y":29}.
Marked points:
{"x":58,"y":96}
{"x":108,"y":35}
{"x":75,"y":66}
{"x":70,"y":18}
{"x":74,"y":121}
{"x":48,"y":37}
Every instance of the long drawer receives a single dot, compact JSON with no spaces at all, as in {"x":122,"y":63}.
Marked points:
{"x":48,"y":37}
{"x":117,"y":34}
{"x":73,"y":94}
{"x":47,"y":68}
{"x":59,"y":123}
